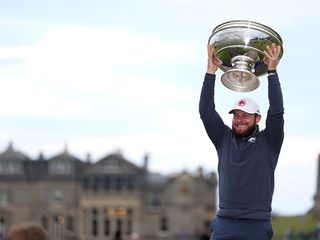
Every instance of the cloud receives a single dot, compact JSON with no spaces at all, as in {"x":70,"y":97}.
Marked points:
{"x":206,"y":12}
{"x":85,"y":50}
{"x":16,"y":52}
{"x":299,"y":150}
{"x":73,"y":60}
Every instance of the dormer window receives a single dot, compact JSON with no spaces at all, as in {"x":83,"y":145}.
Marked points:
{"x":61,"y":168}
{"x":11,"y":168}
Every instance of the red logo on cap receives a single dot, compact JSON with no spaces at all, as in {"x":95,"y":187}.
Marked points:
{"x":242,"y":102}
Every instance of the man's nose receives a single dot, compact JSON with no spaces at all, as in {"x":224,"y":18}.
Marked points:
{"x":239,"y":119}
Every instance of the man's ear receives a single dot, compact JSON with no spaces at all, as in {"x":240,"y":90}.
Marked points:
{"x":258,"y":118}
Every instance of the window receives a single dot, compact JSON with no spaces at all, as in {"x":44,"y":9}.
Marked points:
{"x":2,"y":227}
{"x":163,"y":224}
{"x":2,"y":168}
{"x":118,"y":232}
{"x":44,"y":222}
{"x":56,"y":196}
{"x":85,"y":183}
{"x":94,"y":222}
{"x":129,"y":221}
{"x":155,"y":199}
{"x":11,"y":168}
{"x":61,"y":168}
{"x":94,"y":212}
{"x":106,"y":184}
{"x":70,"y":224}
{"x":94,"y":183}
{"x":106,"y":227}
{"x":94,"y":228}
{"x":131,"y":182}
{"x":3,"y":198}
{"x":14,"y":168}
{"x":118,"y":184}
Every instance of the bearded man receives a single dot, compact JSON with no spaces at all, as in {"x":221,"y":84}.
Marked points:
{"x":247,"y":156}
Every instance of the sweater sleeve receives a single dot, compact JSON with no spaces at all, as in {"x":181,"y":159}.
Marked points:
{"x":212,"y":121}
{"x":275,"y":121}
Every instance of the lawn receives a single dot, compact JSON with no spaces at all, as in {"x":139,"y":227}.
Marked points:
{"x":298,"y":225}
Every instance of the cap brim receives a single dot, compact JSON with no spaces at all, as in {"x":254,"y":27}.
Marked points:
{"x":231,"y":111}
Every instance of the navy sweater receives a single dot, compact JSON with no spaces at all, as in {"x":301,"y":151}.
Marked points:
{"x":246,"y":165}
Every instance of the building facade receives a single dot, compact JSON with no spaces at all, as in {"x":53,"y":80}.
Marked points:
{"x":111,"y":199}
{"x":315,"y":210}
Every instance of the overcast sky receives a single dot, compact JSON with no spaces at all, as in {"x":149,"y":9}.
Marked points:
{"x":103,"y":76}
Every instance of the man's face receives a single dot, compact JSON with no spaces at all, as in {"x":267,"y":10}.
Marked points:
{"x":244,"y":124}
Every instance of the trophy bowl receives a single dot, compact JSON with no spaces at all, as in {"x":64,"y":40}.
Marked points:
{"x":240,"y":45}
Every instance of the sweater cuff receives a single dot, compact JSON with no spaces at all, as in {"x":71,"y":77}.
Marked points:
{"x":210,"y":76}
{"x":273,"y":79}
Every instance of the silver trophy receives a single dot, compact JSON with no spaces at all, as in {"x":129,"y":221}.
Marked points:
{"x":240,"y":44}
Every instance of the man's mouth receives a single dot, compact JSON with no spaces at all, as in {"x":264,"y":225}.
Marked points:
{"x":241,"y":126}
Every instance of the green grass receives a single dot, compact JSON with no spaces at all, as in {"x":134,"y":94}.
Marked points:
{"x":303,"y":224}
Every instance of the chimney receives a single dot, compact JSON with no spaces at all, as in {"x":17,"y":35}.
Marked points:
{"x":318,"y":176}
{"x":146,"y":162}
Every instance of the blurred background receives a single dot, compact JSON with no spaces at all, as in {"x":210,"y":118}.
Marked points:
{"x":103,"y":78}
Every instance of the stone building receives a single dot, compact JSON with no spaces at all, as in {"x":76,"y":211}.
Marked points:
{"x":111,"y":199}
{"x":316,"y":207}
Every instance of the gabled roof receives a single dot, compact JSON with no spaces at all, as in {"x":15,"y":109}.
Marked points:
{"x":12,"y":155}
{"x":64,"y":156}
{"x":114,"y":164}
{"x":157,"y":179}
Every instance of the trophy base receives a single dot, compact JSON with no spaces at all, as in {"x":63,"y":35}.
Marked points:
{"x":240,"y":80}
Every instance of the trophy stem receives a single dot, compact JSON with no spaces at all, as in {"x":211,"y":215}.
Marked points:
{"x":241,"y":77}
{"x":243,"y":62}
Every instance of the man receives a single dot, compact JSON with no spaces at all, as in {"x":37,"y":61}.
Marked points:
{"x":27,"y":232}
{"x":247,"y":156}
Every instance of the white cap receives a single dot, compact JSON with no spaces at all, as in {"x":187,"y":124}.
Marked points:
{"x":247,"y":105}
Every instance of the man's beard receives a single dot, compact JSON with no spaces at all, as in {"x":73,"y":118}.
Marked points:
{"x":246,"y":133}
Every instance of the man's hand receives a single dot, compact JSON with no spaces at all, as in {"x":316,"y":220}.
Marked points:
{"x":213,"y":61}
{"x":271,"y":56}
